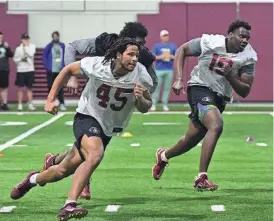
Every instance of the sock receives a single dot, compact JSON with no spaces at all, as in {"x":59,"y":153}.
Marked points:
{"x":69,"y":201}
{"x":32,"y":179}
{"x":53,"y":161}
{"x":163,"y":156}
{"x":200,"y":174}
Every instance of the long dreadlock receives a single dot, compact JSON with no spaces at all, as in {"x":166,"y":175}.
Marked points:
{"x":119,"y":46}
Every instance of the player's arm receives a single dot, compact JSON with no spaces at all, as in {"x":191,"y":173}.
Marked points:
{"x":242,"y":82}
{"x":143,"y":99}
{"x":84,"y":47}
{"x":62,"y":78}
{"x":141,"y":91}
{"x":152,"y":73}
{"x":191,"y":48}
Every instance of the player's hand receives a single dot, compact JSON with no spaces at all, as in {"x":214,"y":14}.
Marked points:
{"x":138,"y":91}
{"x":73,"y":85}
{"x":51,"y":107}
{"x":178,"y":86}
{"x":6,"y":45}
{"x":225,"y":70}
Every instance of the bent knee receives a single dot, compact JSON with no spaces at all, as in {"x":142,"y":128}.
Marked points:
{"x":217,"y":127}
{"x":95,"y":158}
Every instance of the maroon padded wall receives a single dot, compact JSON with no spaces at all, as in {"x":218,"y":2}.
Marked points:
{"x":260,"y":16}
{"x":172,"y":17}
{"x":12,"y":27}
{"x":185,"y":21}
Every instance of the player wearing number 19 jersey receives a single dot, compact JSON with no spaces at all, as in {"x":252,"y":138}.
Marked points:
{"x":117,"y":85}
{"x":225,"y":64}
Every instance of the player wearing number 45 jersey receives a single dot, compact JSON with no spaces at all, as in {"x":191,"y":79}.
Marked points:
{"x":97,"y":47}
{"x":225,"y":63}
{"x":117,"y":84}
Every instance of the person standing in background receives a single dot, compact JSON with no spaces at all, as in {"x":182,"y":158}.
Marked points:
{"x":5,"y":54}
{"x":24,"y":59}
{"x":53,"y":59}
{"x":165,"y":54}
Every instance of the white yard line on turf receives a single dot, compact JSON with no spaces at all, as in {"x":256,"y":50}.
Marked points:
{"x":22,"y":113}
{"x":112,"y":208}
{"x":149,"y":113}
{"x":31,"y":131}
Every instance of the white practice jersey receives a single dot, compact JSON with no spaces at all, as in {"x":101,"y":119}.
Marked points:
{"x":213,"y":57}
{"x":110,"y":101}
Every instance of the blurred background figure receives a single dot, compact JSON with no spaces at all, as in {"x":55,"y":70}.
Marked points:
{"x":5,"y":54}
{"x":53,"y":59}
{"x":165,"y":54}
{"x":24,"y":59}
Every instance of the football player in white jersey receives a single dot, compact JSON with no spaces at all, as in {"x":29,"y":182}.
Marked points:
{"x":225,"y":64}
{"x":97,"y":47}
{"x":117,"y":84}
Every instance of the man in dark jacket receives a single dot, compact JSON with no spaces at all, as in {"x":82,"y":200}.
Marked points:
{"x":53,"y":59}
{"x":5,"y":54}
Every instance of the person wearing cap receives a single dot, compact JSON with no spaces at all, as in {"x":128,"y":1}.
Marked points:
{"x":165,"y":54}
{"x":24,"y":59}
{"x":5,"y":54}
{"x":53,"y":59}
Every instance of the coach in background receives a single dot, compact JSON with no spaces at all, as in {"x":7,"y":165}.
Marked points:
{"x":24,"y":59}
{"x":53,"y":59}
{"x":165,"y":54}
{"x":5,"y":54}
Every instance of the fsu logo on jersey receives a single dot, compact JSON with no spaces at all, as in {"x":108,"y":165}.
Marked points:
{"x":94,"y":130}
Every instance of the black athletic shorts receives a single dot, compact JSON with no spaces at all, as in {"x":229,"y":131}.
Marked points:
{"x":205,"y":96}
{"x":4,"y":79}
{"x":87,"y":125}
{"x":24,"y":79}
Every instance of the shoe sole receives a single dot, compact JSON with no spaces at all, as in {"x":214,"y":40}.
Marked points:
{"x":76,"y":215}
{"x":157,"y":164}
{"x":205,"y":189}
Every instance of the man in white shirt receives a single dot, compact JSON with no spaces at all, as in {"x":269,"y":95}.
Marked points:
{"x":24,"y":59}
{"x":225,"y":64}
{"x":117,"y":85}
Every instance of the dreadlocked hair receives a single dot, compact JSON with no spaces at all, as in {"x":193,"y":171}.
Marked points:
{"x":238,"y":24}
{"x":119,"y":46}
{"x":133,"y":30}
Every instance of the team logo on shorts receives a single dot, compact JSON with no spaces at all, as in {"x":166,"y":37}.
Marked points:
{"x":207,"y":99}
{"x":94,"y":130}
